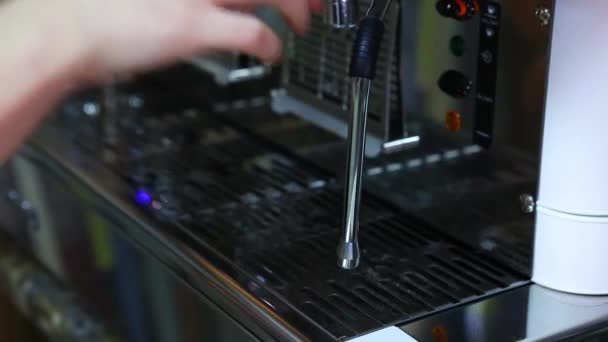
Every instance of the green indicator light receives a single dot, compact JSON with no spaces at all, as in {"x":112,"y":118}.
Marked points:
{"x":457,"y":46}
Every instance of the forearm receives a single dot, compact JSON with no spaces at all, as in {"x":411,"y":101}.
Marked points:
{"x":39,"y":61}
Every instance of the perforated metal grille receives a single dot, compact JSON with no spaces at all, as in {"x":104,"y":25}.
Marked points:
{"x":408,"y":269}
{"x":316,"y":68}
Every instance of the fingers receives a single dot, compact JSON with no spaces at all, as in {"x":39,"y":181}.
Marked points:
{"x":296,"y":12}
{"x":316,"y":5}
{"x":245,"y":8}
{"x":226,"y":30}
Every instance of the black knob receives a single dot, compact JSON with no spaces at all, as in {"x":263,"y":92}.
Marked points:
{"x":455,"y":84}
{"x":446,"y":8}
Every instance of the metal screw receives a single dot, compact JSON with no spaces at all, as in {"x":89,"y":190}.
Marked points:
{"x":543,"y":14}
{"x":527,"y":202}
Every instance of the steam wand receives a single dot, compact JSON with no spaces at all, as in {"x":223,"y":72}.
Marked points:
{"x":362,"y":72}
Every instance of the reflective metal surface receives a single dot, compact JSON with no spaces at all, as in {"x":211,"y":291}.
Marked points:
{"x":379,"y":8}
{"x":174,"y":218}
{"x":420,"y":46}
{"x":229,"y":69}
{"x":530,"y":313}
{"x":348,"y":247}
{"x":216,"y":198}
{"x":342,"y":14}
{"x":435,"y":47}
{"x":316,"y":86}
{"x":442,"y":176}
{"x":112,"y":263}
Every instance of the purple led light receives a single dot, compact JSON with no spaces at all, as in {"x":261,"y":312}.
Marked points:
{"x":143,"y":198}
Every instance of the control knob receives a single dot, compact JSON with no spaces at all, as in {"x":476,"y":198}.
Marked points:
{"x":455,"y":84}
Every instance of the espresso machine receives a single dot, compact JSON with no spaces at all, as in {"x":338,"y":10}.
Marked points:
{"x":413,"y":170}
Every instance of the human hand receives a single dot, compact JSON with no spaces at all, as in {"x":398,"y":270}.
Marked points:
{"x":131,"y":35}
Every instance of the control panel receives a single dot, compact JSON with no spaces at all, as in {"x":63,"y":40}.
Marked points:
{"x":441,"y":60}
{"x":464,"y":73}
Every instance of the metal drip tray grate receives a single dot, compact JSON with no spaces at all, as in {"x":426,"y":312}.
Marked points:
{"x":277,"y":218}
{"x":407,"y":268}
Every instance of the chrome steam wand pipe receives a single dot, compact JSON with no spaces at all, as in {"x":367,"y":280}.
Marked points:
{"x":342,"y":14}
{"x":348,"y":248}
{"x":362,"y":71}
{"x":378,"y":9}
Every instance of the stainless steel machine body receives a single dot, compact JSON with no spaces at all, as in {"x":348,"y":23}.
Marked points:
{"x":315,"y":84}
{"x":230,"y":68}
{"x":420,"y":46}
{"x":198,"y":224}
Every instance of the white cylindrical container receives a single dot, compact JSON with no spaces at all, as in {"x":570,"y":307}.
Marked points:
{"x":571,"y":243}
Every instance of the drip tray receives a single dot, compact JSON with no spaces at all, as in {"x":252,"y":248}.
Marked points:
{"x":277,"y":218}
{"x":407,"y":269}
